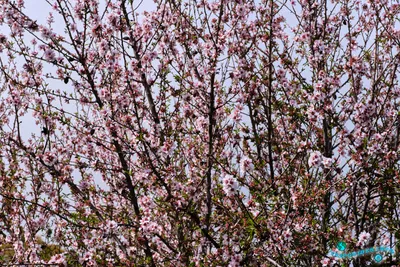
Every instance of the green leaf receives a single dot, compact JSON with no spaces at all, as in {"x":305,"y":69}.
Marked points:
{"x":177,"y":78}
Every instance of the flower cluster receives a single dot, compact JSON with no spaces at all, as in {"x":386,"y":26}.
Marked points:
{"x":229,"y":185}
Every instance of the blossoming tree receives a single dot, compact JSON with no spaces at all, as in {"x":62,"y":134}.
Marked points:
{"x":201,"y":133}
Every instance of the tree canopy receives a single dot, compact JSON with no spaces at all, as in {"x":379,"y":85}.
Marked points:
{"x":197,"y":132}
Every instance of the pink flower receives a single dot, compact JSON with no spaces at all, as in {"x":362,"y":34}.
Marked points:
{"x":46,"y":33}
{"x":363,"y":239}
{"x":110,"y":225}
{"x":83,"y":184}
{"x":312,"y":114}
{"x":327,"y":262}
{"x":58,"y":259}
{"x":49,"y":55}
{"x":245,"y":165}
{"x":235,"y":261}
{"x":229,"y":185}
{"x":287,"y":235}
{"x":315,"y":159}
{"x":201,"y":123}
{"x":88,"y":256}
{"x":327,"y":162}
{"x":49,"y":158}
{"x":386,"y":241}
{"x":236,"y":115}
{"x":294,"y":197}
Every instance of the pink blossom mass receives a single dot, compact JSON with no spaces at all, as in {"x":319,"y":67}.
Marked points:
{"x":198,"y":133}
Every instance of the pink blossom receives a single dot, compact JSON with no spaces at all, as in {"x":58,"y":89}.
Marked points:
{"x":328,"y":262}
{"x":49,"y":54}
{"x":315,"y":159}
{"x":229,"y":185}
{"x":327,"y":162}
{"x":58,"y":259}
{"x":363,"y":239}
{"x":245,"y":165}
